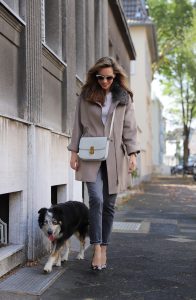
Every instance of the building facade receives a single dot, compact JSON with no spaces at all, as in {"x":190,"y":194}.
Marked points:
{"x":46,"y":47}
{"x":158,"y":136}
{"x":143,"y":34}
{"x":192,"y":143}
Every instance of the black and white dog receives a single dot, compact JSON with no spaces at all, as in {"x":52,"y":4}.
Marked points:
{"x":59,"y":223}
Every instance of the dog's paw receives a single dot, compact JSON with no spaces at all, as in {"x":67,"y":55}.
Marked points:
{"x":64,"y":259}
{"x":80,"y":256}
{"x":58,"y":264}
{"x":47,"y":268}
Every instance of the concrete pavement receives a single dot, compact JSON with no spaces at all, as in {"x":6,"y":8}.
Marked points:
{"x":152,"y":255}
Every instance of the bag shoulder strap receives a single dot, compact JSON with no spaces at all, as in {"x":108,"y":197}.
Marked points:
{"x":112,"y":123}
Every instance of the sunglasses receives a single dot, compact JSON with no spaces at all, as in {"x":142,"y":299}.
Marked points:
{"x":101,"y":77}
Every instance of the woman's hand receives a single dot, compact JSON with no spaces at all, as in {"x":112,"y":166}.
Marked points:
{"x":74,"y":163}
{"x":132,"y":163}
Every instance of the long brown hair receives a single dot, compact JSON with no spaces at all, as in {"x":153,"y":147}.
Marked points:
{"x":92,"y":91}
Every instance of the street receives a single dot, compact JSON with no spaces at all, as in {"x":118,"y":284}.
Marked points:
{"x":152,"y":255}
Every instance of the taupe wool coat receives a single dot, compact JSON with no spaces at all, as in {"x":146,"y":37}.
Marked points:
{"x":88,"y":122}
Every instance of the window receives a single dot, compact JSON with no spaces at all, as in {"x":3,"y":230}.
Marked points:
{"x":13,"y":4}
{"x":54,"y":195}
{"x":52,"y":25}
{"x":80,"y":39}
{"x":18,"y":7}
{"x":58,"y":194}
{"x":133,"y":67}
{"x":4,"y":218}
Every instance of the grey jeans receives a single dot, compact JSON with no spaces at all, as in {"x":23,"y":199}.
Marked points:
{"x":101,"y":206}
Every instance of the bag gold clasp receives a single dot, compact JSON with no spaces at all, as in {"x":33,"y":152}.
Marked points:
{"x":92,"y":150}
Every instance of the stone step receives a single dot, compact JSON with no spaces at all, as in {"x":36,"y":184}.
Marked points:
{"x":10,"y":257}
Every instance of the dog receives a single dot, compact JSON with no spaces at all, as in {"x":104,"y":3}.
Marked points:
{"x":59,"y":223}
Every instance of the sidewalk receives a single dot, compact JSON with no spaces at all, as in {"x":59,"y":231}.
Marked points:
{"x":152,"y":255}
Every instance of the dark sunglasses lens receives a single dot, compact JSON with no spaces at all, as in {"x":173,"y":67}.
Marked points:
{"x":109,"y":78}
{"x":100,"y":77}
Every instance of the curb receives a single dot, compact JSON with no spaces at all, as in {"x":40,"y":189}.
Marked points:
{"x":126,"y":196}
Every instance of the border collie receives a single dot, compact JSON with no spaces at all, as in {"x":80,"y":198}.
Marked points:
{"x":59,"y":223}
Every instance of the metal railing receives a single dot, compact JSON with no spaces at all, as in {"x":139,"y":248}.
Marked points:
{"x":3,"y":232}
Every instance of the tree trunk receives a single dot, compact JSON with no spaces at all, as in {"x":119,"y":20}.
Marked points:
{"x":186,"y":144}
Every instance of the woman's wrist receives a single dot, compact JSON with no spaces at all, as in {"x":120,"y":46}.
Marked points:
{"x":73,"y":152}
{"x":133,"y":153}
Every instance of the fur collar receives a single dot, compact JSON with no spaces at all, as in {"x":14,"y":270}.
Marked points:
{"x":119,"y":94}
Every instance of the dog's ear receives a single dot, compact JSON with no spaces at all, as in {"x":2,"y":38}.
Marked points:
{"x":41,"y":217}
{"x":42,"y":210}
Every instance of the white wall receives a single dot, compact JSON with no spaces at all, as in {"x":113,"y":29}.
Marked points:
{"x":13,"y":156}
{"x":140,"y":85}
{"x":32,"y":159}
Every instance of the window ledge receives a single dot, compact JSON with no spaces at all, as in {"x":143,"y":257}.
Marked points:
{"x":53,"y":57}
{"x":15,"y":18}
{"x":9,"y":250}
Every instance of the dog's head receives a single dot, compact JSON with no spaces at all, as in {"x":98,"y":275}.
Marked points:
{"x":50,"y":222}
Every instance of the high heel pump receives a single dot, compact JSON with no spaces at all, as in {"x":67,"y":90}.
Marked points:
{"x":96,"y":268}
{"x":103,"y":267}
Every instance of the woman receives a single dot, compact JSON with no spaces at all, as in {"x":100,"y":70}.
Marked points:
{"x":105,"y":89}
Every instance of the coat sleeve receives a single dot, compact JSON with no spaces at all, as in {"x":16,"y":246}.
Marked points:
{"x":130,"y":130}
{"x":77,"y":130}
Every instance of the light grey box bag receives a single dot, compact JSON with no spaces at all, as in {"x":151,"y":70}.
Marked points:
{"x":95,"y":148}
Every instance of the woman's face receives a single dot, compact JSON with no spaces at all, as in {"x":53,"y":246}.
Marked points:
{"x":105,"y":77}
